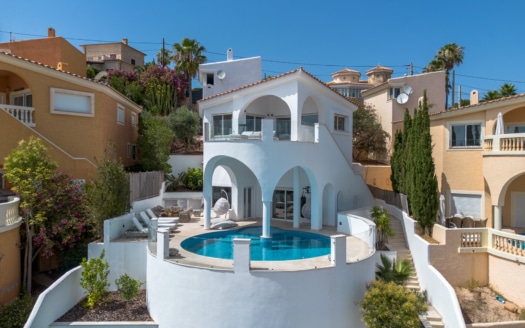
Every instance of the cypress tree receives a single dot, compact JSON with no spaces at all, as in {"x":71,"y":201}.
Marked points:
{"x":424,"y":195}
{"x":397,"y":163}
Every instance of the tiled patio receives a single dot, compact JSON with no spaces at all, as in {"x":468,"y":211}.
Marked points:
{"x":356,"y":249}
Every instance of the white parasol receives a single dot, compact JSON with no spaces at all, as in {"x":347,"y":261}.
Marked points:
{"x":499,"y":125}
{"x":442,"y":209}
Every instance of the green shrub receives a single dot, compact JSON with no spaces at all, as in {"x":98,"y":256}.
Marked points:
{"x":128,"y":287}
{"x":192,"y":178}
{"x":15,"y":314}
{"x":95,"y":279}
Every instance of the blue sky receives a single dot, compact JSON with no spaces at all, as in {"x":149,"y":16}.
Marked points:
{"x":322,"y":37}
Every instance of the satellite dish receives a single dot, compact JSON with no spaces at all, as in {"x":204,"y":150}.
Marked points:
{"x":402,"y":98}
{"x":221,"y":74}
{"x":407,"y":89}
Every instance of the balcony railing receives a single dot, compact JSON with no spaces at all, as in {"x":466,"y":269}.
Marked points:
{"x":227,"y":132}
{"x":514,"y":142}
{"x":9,"y":212}
{"x":495,"y":242}
{"x":21,"y":113}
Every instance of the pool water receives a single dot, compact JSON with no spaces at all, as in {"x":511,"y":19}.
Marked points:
{"x":283,"y":245}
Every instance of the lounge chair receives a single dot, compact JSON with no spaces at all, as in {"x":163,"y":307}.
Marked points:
{"x":140,"y":228}
{"x":161,"y":219}
{"x":147,"y":220}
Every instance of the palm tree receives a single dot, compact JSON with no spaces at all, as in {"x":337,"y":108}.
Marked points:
{"x":187,"y":56}
{"x":491,"y":95}
{"x":164,"y":57}
{"x":507,"y":90}
{"x":447,"y":57}
{"x":397,"y":272}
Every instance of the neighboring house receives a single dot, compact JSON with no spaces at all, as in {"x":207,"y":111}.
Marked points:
{"x":482,"y":173}
{"x":53,"y":51}
{"x":278,"y":140}
{"x":390,"y":99}
{"x":219,"y":77}
{"x":74,"y":116}
{"x":113,"y":56}
{"x":347,"y":82}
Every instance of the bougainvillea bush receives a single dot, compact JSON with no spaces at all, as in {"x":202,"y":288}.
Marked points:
{"x":64,"y":205}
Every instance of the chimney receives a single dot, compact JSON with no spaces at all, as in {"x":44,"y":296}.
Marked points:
{"x":61,"y":66}
{"x":229,"y":55}
{"x":125,"y":40}
{"x":474,"y":97}
{"x":50,"y":32}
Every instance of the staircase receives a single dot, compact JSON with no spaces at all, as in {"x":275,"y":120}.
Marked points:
{"x":432,"y":319}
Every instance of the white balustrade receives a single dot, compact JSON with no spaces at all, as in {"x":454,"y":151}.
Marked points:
{"x":23,"y":114}
{"x":512,"y":142}
{"x":9,"y":212}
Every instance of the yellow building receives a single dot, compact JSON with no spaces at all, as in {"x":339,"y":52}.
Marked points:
{"x":74,"y":116}
{"x":481,"y":172}
{"x":10,"y":272}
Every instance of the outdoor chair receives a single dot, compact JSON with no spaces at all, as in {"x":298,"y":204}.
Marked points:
{"x":140,"y":228}
{"x":456,"y":220}
{"x":481,"y":223}
{"x":467,"y":222}
{"x":185,"y":216}
{"x":147,"y":220}
{"x":161,"y":219}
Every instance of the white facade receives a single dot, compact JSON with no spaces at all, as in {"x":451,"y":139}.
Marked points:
{"x":224,"y":76}
{"x":277,"y":139}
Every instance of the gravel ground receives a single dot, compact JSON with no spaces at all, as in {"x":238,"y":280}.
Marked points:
{"x":479,"y":305}
{"x":113,"y":309}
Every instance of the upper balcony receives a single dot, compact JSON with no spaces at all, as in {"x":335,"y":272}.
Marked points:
{"x":226,"y":130}
{"x":9,"y":213}
{"x":504,"y":144}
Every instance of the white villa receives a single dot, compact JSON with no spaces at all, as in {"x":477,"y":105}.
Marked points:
{"x":281,"y":150}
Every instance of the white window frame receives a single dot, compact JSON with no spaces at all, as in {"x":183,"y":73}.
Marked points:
{"x":121,"y":114}
{"x":88,"y":95}
{"x":467,"y":193}
{"x":393,"y":93}
{"x":337,"y":127}
{"x":465,"y":123}
{"x":223,"y":119}
{"x":21,"y":93}
{"x":133,"y":119}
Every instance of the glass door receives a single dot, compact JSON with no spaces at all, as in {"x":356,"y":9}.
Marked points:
{"x":282,"y":205}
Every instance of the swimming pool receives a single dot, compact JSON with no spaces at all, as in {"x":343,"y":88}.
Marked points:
{"x":283,"y":245}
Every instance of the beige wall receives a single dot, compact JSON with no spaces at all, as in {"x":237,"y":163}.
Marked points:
{"x":10,"y":273}
{"x":457,"y":268}
{"x":378,"y":176}
{"x":50,"y":51}
{"x":472,"y":170}
{"x":505,"y":277}
{"x":80,"y":137}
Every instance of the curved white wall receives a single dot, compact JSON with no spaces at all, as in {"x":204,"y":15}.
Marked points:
{"x":181,"y":296}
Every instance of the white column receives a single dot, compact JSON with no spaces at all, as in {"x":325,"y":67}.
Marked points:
{"x":296,"y":198}
{"x":267,"y":212}
{"x":497,"y":217}
{"x":207,"y":211}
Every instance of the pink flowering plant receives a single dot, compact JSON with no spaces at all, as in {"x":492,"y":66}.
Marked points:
{"x":68,"y":217}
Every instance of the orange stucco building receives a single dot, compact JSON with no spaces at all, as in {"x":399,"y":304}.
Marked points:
{"x":74,"y":116}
